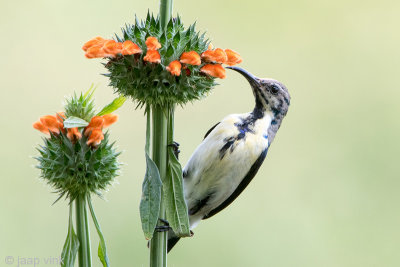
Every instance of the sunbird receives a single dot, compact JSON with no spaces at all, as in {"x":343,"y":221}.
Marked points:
{"x":232,"y":152}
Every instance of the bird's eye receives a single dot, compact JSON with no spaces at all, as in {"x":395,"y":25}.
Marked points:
{"x":274,"y":89}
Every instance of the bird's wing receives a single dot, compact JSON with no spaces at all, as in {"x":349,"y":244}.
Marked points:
{"x":209,"y":131}
{"x":243,"y":184}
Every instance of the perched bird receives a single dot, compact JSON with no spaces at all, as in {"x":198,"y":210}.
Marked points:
{"x":232,"y":152}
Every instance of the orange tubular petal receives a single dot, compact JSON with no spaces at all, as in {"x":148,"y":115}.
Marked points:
{"x":152,"y":43}
{"x":152,"y":56}
{"x":40,"y":127}
{"x":214,"y":70}
{"x":191,"y":58}
{"x":233,"y":57}
{"x":210,"y":47}
{"x":96,"y":52}
{"x":174,"y":68}
{"x":96,"y":122}
{"x":95,"y":41}
{"x":130,"y":48}
{"x":218,"y":55}
{"x":51,"y":123}
{"x":95,"y":137}
{"x":109,"y":119}
{"x":112,"y":47}
{"x":74,"y":134}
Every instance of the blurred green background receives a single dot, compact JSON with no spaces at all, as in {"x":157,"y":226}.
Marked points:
{"x":328,"y":193}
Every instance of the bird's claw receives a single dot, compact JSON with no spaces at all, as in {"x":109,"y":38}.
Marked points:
{"x":163,"y":228}
{"x":175,"y":146}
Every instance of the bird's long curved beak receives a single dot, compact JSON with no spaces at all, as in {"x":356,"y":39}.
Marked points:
{"x":253,"y":80}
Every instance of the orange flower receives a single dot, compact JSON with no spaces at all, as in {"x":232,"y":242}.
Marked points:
{"x":152,"y":56}
{"x":233,"y":57}
{"x":93,"y":42}
{"x":191,"y":58}
{"x":215,"y":70}
{"x":130,"y":48}
{"x":96,"y":122}
{"x":218,"y":55}
{"x":74,"y":134}
{"x":210,"y":46}
{"x":40,"y":127}
{"x":109,"y":119}
{"x":152,"y":43}
{"x":96,"y":52}
{"x":95,"y":137}
{"x":52,"y":124}
{"x":174,"y":68}
{"x":112,"y":47}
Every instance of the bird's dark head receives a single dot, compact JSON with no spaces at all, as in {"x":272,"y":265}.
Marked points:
{"x":269,"y":94}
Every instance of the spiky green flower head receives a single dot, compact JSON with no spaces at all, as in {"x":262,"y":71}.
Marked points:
{"x":76,"y":158}
{"x":161,"y":74}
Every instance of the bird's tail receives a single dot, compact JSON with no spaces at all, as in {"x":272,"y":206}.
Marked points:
{"x":172,"y":240}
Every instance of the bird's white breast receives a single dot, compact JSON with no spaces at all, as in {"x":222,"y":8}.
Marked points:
{"x":206,"y":171}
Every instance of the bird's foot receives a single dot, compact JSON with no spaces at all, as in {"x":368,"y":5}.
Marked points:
{"x":175,"y":146}
{"x":163,"y":228}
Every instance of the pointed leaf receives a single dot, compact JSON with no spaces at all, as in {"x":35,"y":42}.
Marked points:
{"x":71,"y":244}
{"x":151,"y":190}
{"x":102,"y":250}
{"x":72,"y":122}
{"x":176,"y":208}
{"x":114,"y":105}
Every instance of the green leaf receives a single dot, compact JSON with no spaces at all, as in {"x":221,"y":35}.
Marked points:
{"x":114,"y":105}
{"x":151,"y":191}
{"x":72,"y":122}
{"x":102,"y":251}
{"x":71,"y":244}
{"x":176,"y":208}
{"x":89,"y":93}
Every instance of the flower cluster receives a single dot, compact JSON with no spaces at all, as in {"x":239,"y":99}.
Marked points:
{"x":100,"y":48}
{"x":76,"y":158}
{"x":50,"y":124}
{"x":161,"y":65}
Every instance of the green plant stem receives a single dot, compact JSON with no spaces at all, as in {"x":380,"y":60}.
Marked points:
{"x":82,"y":231}
{"x":158,"y":244}
{"x":165,"y":11}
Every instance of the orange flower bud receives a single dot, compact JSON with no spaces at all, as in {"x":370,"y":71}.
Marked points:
{"x":210,"y":47}
{"x":112,"y":47}
{"x":96,"y":52}
{"x":191,"y":58}
{"x":152,"y":43}
{"x":174,"y":68}
{"x":95,"y":41}
{"x":215,"y":70}
{"x":52,"y":124}
{"x":233,"y":57}
{"x":152,"y":56}
{"x":130,"y":48}
{"x":40,"y":127}
{"x":109,"y":119}
{"x":96,"y":122}
{"x":95,"y":137}
{"x":218,"y":55}
{"x":74,"y":134}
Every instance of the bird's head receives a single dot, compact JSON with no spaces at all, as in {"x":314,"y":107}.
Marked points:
{"x":269,"y":94}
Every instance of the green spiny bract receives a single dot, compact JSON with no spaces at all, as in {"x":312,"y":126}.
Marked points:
{"x":152,"y":84}
{"x":77,"y":169}
{"x":80,"y":106}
